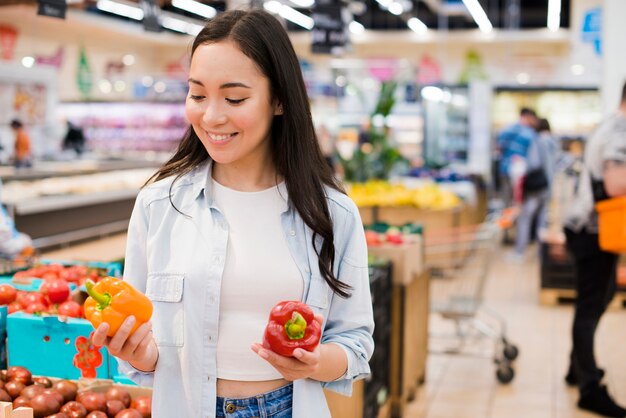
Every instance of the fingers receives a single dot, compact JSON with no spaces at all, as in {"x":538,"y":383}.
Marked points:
{"x":117,"y":341}
{"x":319,"y":318}
{"x":307,"y":357}
{"x":99,"y":337}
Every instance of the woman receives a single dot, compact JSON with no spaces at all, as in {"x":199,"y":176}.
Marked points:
{"x":244,"y":215}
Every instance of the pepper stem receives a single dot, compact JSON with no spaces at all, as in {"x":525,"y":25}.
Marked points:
{"x":296,"y":326}
{"x":103,"y":299}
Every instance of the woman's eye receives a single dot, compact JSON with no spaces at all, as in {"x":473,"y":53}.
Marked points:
{"x":196,"y":98}
{"x":235,"y":101}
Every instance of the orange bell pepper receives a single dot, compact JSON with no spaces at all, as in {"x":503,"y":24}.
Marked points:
{"x":112,"y":300}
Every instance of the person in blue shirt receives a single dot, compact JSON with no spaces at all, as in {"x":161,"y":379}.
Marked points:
{"x":514,"y":141}
{"x":245,"y":214}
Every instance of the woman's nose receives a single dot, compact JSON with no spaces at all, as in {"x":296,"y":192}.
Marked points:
{"x":214,"y":115}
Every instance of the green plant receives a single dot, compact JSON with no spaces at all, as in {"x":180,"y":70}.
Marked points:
{"x":376,"y":159}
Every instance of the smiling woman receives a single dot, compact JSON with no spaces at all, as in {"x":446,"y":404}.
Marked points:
{"x":247,"y":213}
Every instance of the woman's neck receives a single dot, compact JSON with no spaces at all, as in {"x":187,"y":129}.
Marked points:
{"x":246,"y":178}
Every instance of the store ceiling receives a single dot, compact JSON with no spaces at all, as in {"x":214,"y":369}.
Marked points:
{"x":436,"y":14}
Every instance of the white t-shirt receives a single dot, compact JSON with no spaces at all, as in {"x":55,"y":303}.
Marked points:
{"x":607,"y":143}
{"x":259,"y":272}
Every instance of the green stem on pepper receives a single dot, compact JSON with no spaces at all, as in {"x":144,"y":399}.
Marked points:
{"x":103,"y":299}
{"x":295,"y":327}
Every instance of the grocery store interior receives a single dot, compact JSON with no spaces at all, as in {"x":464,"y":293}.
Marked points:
{"x":410,"y":100}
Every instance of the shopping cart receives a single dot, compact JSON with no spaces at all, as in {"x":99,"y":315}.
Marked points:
{"x":459,"y":260}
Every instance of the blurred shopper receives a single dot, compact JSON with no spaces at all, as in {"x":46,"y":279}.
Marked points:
{"x":513,"y":143}
{"x":603,"y":176}
{"x":22,"y":156}
{"x":74,"y":139}
{"x":245,"y":214}
{"x":13,"y":244}
{"x":540,"y":166}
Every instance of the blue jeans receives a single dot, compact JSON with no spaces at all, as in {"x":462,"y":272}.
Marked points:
{"x":275,"y":404}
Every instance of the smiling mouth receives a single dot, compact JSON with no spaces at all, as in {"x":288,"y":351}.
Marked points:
{"x":220,"y":137}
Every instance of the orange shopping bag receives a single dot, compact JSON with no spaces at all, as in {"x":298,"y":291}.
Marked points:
{"x":612,"y":224}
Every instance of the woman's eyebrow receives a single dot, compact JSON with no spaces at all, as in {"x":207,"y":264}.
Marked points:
{"x":230,"y":85}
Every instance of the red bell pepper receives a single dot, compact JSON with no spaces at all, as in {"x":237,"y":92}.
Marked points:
{"x":291,"y":325}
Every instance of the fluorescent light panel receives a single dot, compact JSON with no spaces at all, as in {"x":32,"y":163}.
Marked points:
{"x":289,"y":13}
{"x":195,"y":7}
{"x":303,"y":3}
{"x":417,"y":25}
{"x":554,"y":15}
{"x":180,"y":25}
{"x":121,"y":9}
{"x":356,"y":28}
{"x":478,"y":14}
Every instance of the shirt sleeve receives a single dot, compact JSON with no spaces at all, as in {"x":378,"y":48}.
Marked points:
{"x":615,"y":148}
{"x":350,"y":321}
{"x":136,"y":272}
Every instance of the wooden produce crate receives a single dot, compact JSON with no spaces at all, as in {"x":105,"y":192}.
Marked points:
{"x":409,"y":320}
{"x":401,"y":215}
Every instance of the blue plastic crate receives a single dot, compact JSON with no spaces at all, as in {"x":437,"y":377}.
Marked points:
{"x":3,"y":336}
{"x":34,"y":285}
{"x":46,"y":346}
{"x":112,"y":268}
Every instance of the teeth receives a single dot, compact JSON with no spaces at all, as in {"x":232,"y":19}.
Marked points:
{"x":215,"y":137}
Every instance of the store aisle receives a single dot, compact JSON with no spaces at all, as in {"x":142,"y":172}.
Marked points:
{"x":465,"y":387}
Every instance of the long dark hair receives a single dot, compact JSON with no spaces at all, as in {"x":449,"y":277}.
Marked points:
{"x":294,"y":147}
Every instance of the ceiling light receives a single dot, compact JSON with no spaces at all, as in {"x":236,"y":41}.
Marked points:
{"x":105,"y":86}
{"x":432,"y":93}
{"x":196,"y":8}
{"x":384,"y":3}
{"x":289,"y":13}
{"x":578,"y":69}
{"x":417,"y":25}
{"x":523,"y":78}
{"x":122,"y":9}
{"x":147,"y":81}
{"x":119,"y":86}
{"x":356,"y":28}
{"x":180,"y":25}
{"x":28,"y":61}
{"x":303,"y":3}
{"x":160,"y":87}
{"x":554,"y":15}
{"x":128,"y":60}
{"x":478,"y":14}
{"x":396,"y":8}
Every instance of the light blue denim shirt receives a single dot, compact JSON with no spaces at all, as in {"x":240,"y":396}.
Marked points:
{"x":178,"y":260}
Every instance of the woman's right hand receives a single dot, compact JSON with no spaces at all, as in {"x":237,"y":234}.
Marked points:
{"x":139,"y":349}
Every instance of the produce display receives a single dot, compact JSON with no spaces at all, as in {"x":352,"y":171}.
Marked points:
{"x":53,"y":298}
{"x":77,"y":274}
{"x":291,"y":325}
{"x":54,"y":398}
{"x":383,"y":193}
{"x":112,"y":300}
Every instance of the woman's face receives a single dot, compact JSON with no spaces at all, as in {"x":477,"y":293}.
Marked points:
{"x":229,"y":105}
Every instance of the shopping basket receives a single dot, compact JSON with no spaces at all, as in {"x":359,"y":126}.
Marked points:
{"x":459,"y":260}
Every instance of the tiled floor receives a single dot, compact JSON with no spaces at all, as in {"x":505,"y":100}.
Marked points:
{"x":466,"y":387}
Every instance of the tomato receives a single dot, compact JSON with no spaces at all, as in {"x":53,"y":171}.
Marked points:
{"x":35,"y":307}
{"x":14,"y":307}
{"x":57,"y":291}
{"x":33,"y":297}
{"x":7,"y":294}
{"x":70,"y":308}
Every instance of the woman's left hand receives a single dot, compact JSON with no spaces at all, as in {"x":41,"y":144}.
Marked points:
{"x":302,"y":365}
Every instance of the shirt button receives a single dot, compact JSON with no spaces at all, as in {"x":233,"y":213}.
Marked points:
{"x":292,"y":233}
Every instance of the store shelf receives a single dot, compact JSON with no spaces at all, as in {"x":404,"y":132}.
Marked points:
{"x":53,"y":203}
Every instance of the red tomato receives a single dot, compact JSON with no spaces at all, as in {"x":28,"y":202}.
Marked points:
{"x":14,"y":307}
{"x":57,"y":291}
{"x":33,"y":297}
{"x":36,"y":307}
{"x":21,"y":295}
{"x":70,"y":308}
{"x":7,"y":294}
{"x":51,"y":275}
